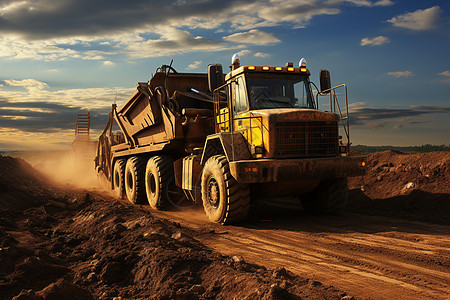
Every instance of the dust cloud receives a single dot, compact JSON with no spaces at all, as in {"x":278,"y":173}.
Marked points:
{"x":72,"y":168}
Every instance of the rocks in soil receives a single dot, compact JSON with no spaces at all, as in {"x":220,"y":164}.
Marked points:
{"x":413,"y":186}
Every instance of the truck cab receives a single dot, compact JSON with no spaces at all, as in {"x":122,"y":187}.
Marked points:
{"x":275,"y":111}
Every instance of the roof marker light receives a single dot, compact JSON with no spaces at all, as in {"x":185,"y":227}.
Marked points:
{"x":251,"y":67}
{"x":291,"y":69}
{"x":265,"y":68}
{"x":278,"y":68}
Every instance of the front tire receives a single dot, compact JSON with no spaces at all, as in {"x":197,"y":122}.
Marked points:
{"x":330,"y":197}
{"x":134,"y":180}
{"x":225,"y":201}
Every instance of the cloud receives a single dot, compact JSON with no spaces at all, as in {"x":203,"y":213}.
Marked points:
{"x":31,"y":85}
{"x":365,"y":3}
{"x":195,"y":65}
{"x":398,"y":127}
{"x":47,"y":19}
{"x":376,"y":41}
{"x":13,"y":46}
{"x":383,"y":3}
{"x":253,"y":36}
{"x":421,"y":19}
{"x":261,"y":54}
{"x":399,"y":74}
{"x":370,"y":116}
{"x":446,"y":76}
{"x":375,"y":125}
{"x":33,"y":114}
{"x":73,"y":29}
{"x":173,"y":41}
{"x":108,"y":63}
{"x":244,"y":52}
{"x":32,"y":91}
{"x":15,"y":139}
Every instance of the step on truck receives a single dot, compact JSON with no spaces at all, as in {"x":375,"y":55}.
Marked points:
{"x":221,"y":140}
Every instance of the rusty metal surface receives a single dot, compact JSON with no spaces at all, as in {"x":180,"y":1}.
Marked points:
{"x":288,"y":170}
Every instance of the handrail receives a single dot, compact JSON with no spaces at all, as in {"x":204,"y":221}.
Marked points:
{"x":336,"y":108}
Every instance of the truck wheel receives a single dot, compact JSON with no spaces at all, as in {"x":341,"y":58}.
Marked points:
{"x":330,"y":197}
{"x":134,"y":180}
{"x":158,"y":172}
{"x":118,"y":178}
{"x":225,"y":200}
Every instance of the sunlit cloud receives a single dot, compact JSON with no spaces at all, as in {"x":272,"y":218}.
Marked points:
{"x":365,"y":3}
{"x":400,"y":74}
{"x":262,"y":54}
{"x":253,"y":36}
{"x":244,"y":52}
{"x":174,"y":41}
{"x":32,"y":91}
{"x":446,"y":76}
{"x":51,"y":31}
{"x":421,"y":19}
{"x":376,"y":41}
{"x":195,"y":65}
{"x":375,"y":125}
{"x":16,"y":139}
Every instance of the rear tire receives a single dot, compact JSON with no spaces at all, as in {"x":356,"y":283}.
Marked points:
{"x":225,"y":201}
{"x":157,"y":173}
{"x":134,"y":180}
{"x":162,"y":193}
{"x":330,"y":197}
{"x":118,"y":178}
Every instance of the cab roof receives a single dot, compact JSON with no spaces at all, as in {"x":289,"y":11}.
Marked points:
{"x":266,"y":69}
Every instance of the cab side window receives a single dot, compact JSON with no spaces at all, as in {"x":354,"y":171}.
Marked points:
{"x":240,"y":95}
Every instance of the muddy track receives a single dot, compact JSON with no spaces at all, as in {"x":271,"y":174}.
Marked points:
{"x":368,"y":256}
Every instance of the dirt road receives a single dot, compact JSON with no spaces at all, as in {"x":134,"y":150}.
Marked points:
{"x":368,"y":256}
{"x":85,"y":239}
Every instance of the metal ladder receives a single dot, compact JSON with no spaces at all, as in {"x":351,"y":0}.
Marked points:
{"x":83,"y":124}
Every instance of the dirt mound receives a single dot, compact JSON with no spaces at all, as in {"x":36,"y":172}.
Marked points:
{"x":21,"y":186}
{"x":80,"y":245}
{"x":415,"y":186}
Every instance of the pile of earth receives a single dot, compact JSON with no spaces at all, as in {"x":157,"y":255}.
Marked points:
{"x":57,"y":244}
{"x":399,"y":184}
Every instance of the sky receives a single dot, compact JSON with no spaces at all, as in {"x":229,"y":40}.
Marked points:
{"x":59,"y":58}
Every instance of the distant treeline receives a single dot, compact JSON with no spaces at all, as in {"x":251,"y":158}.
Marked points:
{"x":414,"y":149}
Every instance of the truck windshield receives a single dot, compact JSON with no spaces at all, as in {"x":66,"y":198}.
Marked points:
{"x":279,"y":91}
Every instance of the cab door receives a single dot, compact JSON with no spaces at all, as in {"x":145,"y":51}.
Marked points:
{"x":243,"y":121}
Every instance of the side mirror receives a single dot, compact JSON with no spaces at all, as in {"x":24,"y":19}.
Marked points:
{"x":215,"y":77}
{"x":325,"y":80}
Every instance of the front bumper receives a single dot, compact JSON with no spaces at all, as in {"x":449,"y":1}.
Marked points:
{"x":291,"y":170}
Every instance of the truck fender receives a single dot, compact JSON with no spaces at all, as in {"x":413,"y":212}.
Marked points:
{"x":231,"y":144}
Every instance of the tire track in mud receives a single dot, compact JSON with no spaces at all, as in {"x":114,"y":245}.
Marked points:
{"x":369,"y":256}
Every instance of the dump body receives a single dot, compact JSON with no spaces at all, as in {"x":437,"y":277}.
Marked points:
{"x":152,"y":116}
{"x":170,"y":113}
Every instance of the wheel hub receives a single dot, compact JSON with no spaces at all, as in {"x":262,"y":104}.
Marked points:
{"x":213,"y":192}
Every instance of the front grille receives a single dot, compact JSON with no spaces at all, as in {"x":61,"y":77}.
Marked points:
{"x":305,"y":139}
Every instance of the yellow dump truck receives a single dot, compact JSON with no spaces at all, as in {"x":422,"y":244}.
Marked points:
{"x":221,"y":140}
